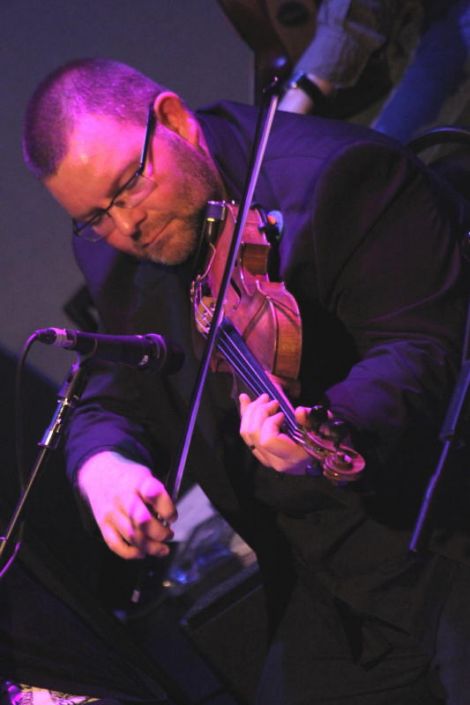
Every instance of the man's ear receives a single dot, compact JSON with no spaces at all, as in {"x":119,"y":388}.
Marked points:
{"x":172,"y":113}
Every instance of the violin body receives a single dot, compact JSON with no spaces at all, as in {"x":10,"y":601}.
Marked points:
{"x":264,"y":313}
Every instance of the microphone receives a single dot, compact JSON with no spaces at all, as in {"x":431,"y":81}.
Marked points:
{"x":150,"y":351}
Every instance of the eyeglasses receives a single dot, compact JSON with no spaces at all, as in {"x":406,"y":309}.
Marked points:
{"x":134,"y":191}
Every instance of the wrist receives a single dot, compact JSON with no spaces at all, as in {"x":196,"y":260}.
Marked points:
{"x":306,"y":92}
{"x":296,"y":101}
{"x":104,"y":470}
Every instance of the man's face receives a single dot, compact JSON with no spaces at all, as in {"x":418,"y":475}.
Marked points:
{"x":104,"y":153}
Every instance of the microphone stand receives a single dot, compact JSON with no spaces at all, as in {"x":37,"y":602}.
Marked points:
{"x":449,"y":435}
{"x":263,"y":130}
{"x":67,"y":397}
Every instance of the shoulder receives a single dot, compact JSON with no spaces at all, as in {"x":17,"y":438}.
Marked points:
{"x":291,"y":133}
{"x":300,"y":149}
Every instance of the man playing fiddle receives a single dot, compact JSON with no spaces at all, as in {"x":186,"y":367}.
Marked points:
{"x":370,"y":252}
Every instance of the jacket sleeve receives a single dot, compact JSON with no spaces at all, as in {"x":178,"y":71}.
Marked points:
{"x":110,"y":414}
{"x":108,"y":417}
{"x":373,"y":240}
{"x":387,"y":250}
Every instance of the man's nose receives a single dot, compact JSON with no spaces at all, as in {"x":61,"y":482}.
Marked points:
{"x":127,"y":220}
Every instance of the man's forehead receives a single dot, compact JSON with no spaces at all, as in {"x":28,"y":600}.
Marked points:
{"x":93,"y":134}
{"x":101,"y":150}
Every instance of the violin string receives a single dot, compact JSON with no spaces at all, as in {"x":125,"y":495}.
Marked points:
{"x":247,"y":367}
{"x":256,"y":386}
{"x":251,"y":380}
{"x":245,"y":371}
{"x":255,"y":375}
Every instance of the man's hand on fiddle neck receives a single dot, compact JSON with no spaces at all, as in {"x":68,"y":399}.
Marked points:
{"x":131,"y":507}
{"x":261,"y":429}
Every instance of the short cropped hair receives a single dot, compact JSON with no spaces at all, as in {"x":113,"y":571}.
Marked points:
{"x":84,"y":86}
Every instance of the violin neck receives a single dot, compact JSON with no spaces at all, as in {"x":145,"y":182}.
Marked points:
{"x":340,"y":464}
{"x":252,"y":374}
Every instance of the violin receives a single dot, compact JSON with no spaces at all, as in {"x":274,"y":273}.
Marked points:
{"x":260,"y":335}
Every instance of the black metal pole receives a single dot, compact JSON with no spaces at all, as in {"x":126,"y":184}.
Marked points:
{"x":70,"y":392}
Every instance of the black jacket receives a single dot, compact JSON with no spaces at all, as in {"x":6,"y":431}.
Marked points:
{"x":370,"y":250}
